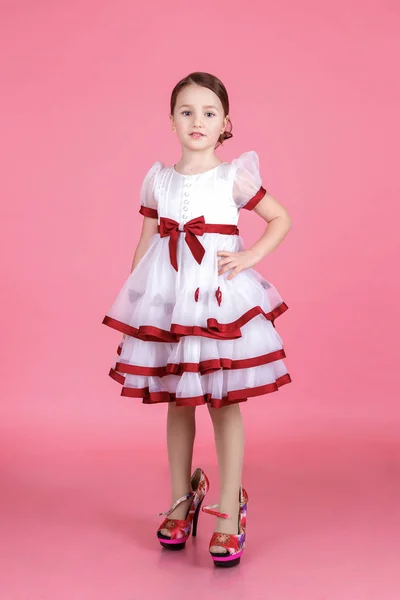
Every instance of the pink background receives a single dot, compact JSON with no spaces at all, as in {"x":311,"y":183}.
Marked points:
{"x":84,"y":107}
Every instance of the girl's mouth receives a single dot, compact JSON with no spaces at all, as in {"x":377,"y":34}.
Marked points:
{"x":196,"y":136}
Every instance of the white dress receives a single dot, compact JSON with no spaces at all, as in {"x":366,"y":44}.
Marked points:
{"x":191,"y":335}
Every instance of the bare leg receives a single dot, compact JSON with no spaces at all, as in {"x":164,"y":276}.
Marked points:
{"x":181,"y":431}
{"x":229,"y":441}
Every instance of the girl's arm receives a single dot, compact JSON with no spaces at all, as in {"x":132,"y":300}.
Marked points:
{"x":149,"y":228}
{"x":279,"y":224}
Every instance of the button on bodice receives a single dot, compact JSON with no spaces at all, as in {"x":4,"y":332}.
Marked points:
{"x":186,"y":196}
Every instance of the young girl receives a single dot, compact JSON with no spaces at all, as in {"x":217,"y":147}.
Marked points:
{"x":197,"y":319}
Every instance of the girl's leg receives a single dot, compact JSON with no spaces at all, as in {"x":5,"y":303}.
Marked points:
{"x":181,"y":430}
{"x":229,"y":441}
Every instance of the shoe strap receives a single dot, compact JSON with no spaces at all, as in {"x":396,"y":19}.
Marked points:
{"x":210,"y":509}
{"x":176,"y":503}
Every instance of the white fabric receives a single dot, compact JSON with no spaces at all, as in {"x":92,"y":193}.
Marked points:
{"x":154,"y":294}
{"x":247,"y":179}
{"x":147,"y":188}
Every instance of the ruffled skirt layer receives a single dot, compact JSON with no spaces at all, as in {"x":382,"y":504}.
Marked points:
{"x":193,"y":336}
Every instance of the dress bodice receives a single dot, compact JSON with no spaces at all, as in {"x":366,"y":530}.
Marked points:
{"x":217,"y":194}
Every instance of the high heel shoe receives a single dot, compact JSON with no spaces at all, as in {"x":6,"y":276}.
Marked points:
{"x":180,"y":528}
{"x":233,"y":543}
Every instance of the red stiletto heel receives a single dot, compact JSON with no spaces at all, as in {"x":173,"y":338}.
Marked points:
{"x":233,"y":543}
{"x":180,"y":528}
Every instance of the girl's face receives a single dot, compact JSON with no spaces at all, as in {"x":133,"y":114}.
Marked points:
{"x":198,"y":110}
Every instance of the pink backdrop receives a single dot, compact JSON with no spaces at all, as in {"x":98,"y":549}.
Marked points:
{"x":84,"y":108}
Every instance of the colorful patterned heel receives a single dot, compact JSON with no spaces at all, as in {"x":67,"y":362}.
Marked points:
{"x":180,"y":528}
{"x":233,"y":543}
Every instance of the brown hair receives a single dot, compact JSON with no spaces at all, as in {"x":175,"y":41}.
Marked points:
{"x":212,"y":83}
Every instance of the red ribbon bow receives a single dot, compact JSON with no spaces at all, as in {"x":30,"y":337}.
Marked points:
{"x":192,"y":228}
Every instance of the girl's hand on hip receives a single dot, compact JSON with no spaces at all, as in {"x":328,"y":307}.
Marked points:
{"x":238,"y":261}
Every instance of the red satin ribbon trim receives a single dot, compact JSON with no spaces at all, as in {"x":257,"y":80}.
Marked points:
{"x":255,"y":199}
{"x":148,"y":212}
{"x":232,"y":397}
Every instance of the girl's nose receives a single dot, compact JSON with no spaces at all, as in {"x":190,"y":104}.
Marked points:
{"x":198,"y":121}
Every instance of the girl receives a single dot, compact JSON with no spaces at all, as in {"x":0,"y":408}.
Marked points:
{"x":197,"y":320}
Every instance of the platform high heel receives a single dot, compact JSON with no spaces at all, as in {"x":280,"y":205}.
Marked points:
{"x":181,"y":528}
{"x":233,"y":543}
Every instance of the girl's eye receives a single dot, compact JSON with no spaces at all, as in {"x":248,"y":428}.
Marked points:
{"x":188,"y":111}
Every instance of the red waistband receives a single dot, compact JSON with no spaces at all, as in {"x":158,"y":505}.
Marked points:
{"x":216,"y":228}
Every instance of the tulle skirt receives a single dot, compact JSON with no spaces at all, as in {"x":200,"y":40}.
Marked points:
{"x":193,"y":336}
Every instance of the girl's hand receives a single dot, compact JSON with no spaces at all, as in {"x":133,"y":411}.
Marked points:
{"x":238,"y":261}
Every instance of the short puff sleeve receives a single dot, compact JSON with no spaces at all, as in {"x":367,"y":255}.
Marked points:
{"x":247,"y":184}
{"x":148,"y":202}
